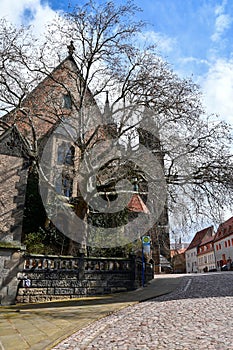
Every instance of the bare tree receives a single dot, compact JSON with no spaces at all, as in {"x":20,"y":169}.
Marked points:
{"x":143,"y":92}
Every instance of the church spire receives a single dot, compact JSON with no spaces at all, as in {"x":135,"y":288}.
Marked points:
{"x":107,"y":111}
{"x":108,"y":121}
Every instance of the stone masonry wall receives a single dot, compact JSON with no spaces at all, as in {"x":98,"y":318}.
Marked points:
{"x":12,"y":197}
{"x":11,"y":262}
{"x":56,"y":278}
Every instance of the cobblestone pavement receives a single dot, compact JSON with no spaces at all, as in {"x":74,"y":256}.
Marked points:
{"x":197,"y":316}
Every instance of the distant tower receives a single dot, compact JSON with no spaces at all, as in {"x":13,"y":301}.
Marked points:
{"x":159,"y":232}
{"x":108,"y":122}
{"x":107,"y":111}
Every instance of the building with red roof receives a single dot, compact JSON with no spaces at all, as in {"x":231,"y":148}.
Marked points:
{"x":205,"y":255}
{"x":192,"y":250}
{"x":223,"y":244}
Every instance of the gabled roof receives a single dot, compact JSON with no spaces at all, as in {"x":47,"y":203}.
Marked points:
{"x":199,"y":236}
{"x":206,"y":246}
{"x":175,"y":252}
{"x":225,"y":229}
{"x":206,"y":240}
{"x":40,"y":104}
{"x":43,"y":80}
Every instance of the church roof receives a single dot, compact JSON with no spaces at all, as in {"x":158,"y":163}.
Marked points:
{"x":44,"y":104}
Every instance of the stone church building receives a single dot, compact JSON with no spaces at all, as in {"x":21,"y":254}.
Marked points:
{"x":53,"y":103}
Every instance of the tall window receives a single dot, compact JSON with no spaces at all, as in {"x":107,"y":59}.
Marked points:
{"x":67,"y":186}
{"x":69,"y":157}
{"x":65,"y":154}
{"x":60,"y":153}
{"x":64,"y":185}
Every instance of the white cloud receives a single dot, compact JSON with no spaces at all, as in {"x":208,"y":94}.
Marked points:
{"x":164,"y":43}
{"x":218,"y":89}
{"x":222,"y":22}
{"x":220,"y":8}
{"x":31,"y":12}
{"x":191,"y":59}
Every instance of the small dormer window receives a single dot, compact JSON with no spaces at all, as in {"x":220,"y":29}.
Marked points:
{"x":67,"y":103}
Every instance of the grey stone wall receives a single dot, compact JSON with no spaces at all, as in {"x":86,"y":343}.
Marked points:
{"x":12,"y":197}
{"x":56,"y":278}
{"x":13,"y":179}
{"x":11,"y":262}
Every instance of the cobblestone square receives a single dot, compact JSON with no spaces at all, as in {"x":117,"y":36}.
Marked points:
{"x":198,"y":315}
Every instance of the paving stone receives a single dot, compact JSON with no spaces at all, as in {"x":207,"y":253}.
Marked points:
{"x":198,"y":315}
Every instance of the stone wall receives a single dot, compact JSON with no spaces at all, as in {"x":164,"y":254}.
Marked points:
{"x":56,"y":278}
{"x":12,"y":197}
{"x":11,"y":262}
{"x":13,"y":178}
{"x":14,"y":162}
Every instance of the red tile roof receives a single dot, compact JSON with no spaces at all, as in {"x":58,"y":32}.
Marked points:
{"x":200,"y":235}
{"x":225,"y":229}
{"x":137,"y":205}
{"x":206,"y":245}
{"x":206,"y":240}
{"x":177,"y":251}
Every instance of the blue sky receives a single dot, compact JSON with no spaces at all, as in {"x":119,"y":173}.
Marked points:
{"x":194,"y":36}
{"x":200,"y":31}
{"x":191,"y":34}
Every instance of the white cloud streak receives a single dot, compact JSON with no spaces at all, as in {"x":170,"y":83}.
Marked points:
{"x":218,"y":89}
{"x":220,"y":8}
{"x":164,"y":43}
{"x":222,"y":22}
